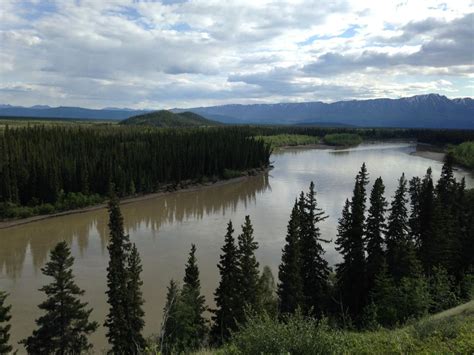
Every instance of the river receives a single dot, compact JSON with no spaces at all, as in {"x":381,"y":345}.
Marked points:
{"x":163,"y":228}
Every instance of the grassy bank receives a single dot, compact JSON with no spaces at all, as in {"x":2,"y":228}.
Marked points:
{"x":450,"y":332}
{"x":342,"y":139}
{"x":288,"y":140}
{"x":464,"y":154}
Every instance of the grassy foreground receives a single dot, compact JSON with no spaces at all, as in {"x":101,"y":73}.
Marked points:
{"x":448,"y":332}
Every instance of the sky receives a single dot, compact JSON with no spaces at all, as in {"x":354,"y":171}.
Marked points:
{"x":178,"y":53}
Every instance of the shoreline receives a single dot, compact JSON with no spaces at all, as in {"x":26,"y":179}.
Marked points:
{"x":191,"y":187}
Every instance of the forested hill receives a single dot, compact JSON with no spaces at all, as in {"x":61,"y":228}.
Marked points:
{"x":165,"y":118}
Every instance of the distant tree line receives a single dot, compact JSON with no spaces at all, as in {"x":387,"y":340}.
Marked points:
{"x":62,"y":167}
{"x":399,"y":261}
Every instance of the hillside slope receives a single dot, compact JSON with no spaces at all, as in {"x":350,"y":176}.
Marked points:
{"x":165,"y":118}
{"x":421,"y":111}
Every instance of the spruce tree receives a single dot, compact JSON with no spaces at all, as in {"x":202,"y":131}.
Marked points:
{"x":169,"y":329}
{"x":135,"y":302}
{"x":314,"y":268}
{"x":64,"y":328}
{"x":383,"y":296}
{"x":5,"y":347}
{"x":248,"y":267}
{"x":194,"y":302}
{"x":124,"y":320}
{"x":375,"y":230}
{"x":426,"y":243}
{"x":351,"y":273}
{"x":290,"y":288}
{"x":401,"y":256}
{"x":267,"y":301}
{"x":226,"y":294}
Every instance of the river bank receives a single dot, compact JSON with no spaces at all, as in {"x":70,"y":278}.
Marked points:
{"x":185,"y":186}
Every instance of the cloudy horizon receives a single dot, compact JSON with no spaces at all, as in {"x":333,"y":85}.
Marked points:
{"x":164,"y":54}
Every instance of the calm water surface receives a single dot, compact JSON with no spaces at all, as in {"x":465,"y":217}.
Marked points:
{"x":164,"y":228}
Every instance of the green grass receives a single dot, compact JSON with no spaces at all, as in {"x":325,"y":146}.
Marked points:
{"x":288,"y":140}
{"x":342,"y":139}
{"x":464,"y":154}
{"x":449,"y":332}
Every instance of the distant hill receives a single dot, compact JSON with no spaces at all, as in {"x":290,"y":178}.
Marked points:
{"x":421,"y":111}
{"x":164,"y":118}
{"x":67,"y":112}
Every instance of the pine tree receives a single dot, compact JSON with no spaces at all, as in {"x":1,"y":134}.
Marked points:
{"x":375,"y":230}
{"x":384,"y":297}
{"x":351,"y":273}
{"x":249,"y":272}
{"x":124,"y":320}
{"x":441,"y":289}
{"x":267,"y":301}
{"x":226,"y":294}
{"x":415,"y":191}
{"x":65,"y":326}
{"x":290,"y":288}
{"x":314,"y":268}
{"x":5,"y":326}
{"x":425,"y":244}
{"x":401,"y":255}
{"x":168,"y":333}
{"x":191,"y":296}
{"x":135,"y":312}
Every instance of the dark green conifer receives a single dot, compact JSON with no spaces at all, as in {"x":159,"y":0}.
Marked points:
{"x":168,"y":335}
{"x":64,"y":328}
{"x":426,"y":243}
{"x":135,"y":313}
{"x":351,"y":273}
{"x":314,"y":268}
{"x":249,"y":273}
{"x":401,"y":257}
{"x":5,"y":347}
{"x":125,"y":318}
{"x":226,"y":294}
{"x":290,"y":288}
{"x":375,"y":230}
{"x":267,"y":300}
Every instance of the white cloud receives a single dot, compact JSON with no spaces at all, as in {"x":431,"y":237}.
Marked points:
{"x":188,"y":53}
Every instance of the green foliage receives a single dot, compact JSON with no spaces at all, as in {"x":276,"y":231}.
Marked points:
{"x":124,"y":320}
{"x":464,"y":154}
{"x":342,"y":139}
{"x":267,"y":301}
{"x":290,"y":287}
{"x":73,"y":167}
{"x":231,"y":174}
{"x":442,"y":290}
{"x":298,"y":335}
{"x":5,"y":326}
{"x":164,"y":118}
{"x":225,"y":315}
{"x":65,"y":326}
{"x":248,"y":270}
{"x":288,"y":140}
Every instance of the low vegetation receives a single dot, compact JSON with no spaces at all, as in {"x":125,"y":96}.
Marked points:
{"x":463,"y":154}
{"x":288,"y":140}
{"x":342,"y":139}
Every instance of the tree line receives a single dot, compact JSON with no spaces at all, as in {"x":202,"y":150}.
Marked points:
{"x":64,"y":167}
{"x":399,"y":261}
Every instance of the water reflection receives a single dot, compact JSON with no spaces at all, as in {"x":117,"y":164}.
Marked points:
{"x":39,"y":238}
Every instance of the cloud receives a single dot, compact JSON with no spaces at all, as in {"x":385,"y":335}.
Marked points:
{"x":191,"y":53}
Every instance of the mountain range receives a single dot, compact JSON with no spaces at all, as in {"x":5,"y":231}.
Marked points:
{"x":421,"y":111}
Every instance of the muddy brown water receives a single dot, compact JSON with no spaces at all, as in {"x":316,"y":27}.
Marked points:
{"x":164,"y":228}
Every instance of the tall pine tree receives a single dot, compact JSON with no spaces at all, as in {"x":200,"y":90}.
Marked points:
{"x":124,"y":320}
{"x":249,"y":273}
{"x":351,"y":273}
{"x":401,"y":256}
{"x":65,"y":326}
{"x":224,"y":318}
{"x":290,"y":288}
{"x":375,"y":230}
{"x":5,"y":347}
{"x":314,"y":268}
